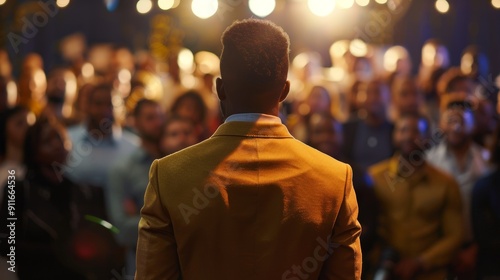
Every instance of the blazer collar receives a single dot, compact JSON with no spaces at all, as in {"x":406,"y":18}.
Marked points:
{"x":253,"y":129}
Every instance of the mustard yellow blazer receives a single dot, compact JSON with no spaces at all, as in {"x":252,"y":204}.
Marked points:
{"x":250,"y":202}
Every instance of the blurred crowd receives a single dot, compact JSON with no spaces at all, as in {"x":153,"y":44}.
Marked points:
{"x":424,"y":150}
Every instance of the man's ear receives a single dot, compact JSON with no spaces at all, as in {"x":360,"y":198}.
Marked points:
{"x":219,"y":85}
{"x":285,"y":91}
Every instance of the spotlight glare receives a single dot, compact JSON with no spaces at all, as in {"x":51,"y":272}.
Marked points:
{"x":2,"y":2}
{"x":381,"y":1}
{"x":321,"y":8}
{"x":442,"y":6}
{"x":204,"y":8}
{"x":262,"y":8}
{"x":144,"y":6}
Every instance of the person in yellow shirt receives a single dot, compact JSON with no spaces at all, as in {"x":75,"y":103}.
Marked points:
{"x":420,"y":206}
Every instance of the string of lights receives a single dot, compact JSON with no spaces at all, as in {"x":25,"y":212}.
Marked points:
{"x":262,"y":8}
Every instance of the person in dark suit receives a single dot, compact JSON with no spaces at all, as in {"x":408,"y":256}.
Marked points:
{"x":368,"y":136}
{"x":250,"y":202}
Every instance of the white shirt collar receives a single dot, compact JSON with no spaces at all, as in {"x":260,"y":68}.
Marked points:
{"x":253,"y":117}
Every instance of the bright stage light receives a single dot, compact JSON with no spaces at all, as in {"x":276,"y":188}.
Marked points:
{"x":166,"y":4}
{"x":442,"y":6}
{"x":186,"y":60}
{"x":204,"y":8}
{"x":262,"y":8}
{"x":62,"y":3}
{"x":381,"y":1}
{"x":496,"y":4}
{"x":345,"y":4}
{"x":2,"y":2}
{"x":363,"y":3}
{"x":144,"y":6}
{"x":358,"y":48}
{"x":321,"y":8}
{"x":392,"y":56}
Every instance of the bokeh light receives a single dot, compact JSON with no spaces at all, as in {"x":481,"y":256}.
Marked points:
{"x":442,"y":6}
{"x":144,"y":6}
{"x":345,"y":4}
{"x":262,"y":8}
{"x":358,"y":48}
{"x":62,"y":3}
{"x":321,"y":8}
{"x":381,"y":1}
{"x":392,"y":56}
{"x":363,"y":3}
{"x":166,"y":4}
{"x":204,"y":8}
{"x":496,"y":4}
{"x":2,"y":2}
{"x":186,"y":60}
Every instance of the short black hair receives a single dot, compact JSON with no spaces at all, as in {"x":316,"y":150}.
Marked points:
{"x":198,"y":100}
{"x":141,"y":103}
{"x":255,"y":55}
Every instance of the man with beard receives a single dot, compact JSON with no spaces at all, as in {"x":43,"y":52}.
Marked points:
{"x":420,"y":216}
{"x":129,"y":177}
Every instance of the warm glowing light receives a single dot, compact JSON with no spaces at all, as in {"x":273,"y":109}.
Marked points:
{"x":381,"y":1}
{"x":442,"y":6}
{"x":321,"y":8}
{"x":11,"y":93}
{"x":300,"y":61}
{"x":345,"y":4}
{"x":204,"y":8}
{"x":186,"y":60}
{"x":2,"y":2}
{"x":166,"y":4}
{"x":144,"y":6}
{"x":62,"y":3}
{"x":496,"y":4}
{"x":466,"y":63}
{"x":336,"y":74}
{"x":392,"y":56}
{"x":262,"y":8}
{"x":339,"y":48}
{"x":207,"y":62}
{"x":31,"y":118}
{"x":124,"y":76}
{"x":363,"y":3}
{"x":87,"y":70}
{"x":428,"y":55}
{"x":358,"y":48}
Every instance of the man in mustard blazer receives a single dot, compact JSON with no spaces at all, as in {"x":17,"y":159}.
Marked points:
{"x":250,"y":202}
